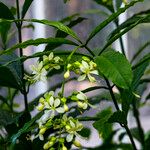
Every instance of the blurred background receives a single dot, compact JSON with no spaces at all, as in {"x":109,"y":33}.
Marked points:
{"x":57,"y":10}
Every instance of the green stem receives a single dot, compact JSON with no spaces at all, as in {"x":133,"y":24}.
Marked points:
{"x":118,"y":109}
{"x":19,"y":25}
{"x":140,"y":129}
{"x":89,"y":50}
{"x":120,"y":39}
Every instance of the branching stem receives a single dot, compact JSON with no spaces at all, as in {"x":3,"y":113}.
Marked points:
{"x":19,"y":25}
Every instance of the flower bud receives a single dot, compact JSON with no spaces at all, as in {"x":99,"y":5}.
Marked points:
{"x":66,"y":108}
{"x":46,"y":145}
{"x":68,"y":127}
{"x":86,"y":58}
{"x":64,"y":147}
{"x":42,"y":131}
{"x":67,"y":74}
{"x":53,"y":139}
{"x":63,"y":100}
{"x":77,"y":143}
{"x":40,"y":107}
{"x":69,"y":66}
{"x":80,"y":104}
{"x":41,"y":100}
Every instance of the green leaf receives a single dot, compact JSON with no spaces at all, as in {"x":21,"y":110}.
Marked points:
{"x":140,"y":50}
{"x":70,"y":25}
{"x":37,"y":42}
{"x":115,"y":67}
{"x":61,"y":34}
{"x":127,"y":95}
{"x":108,"y":4}
{"x":10,"y":75}
{"x":118,"y":116}
{"x":5,"y":12}
{"x":146,"y":58}
{"x":25,"y":128}
{"x":110,"y":19}
{"x":85,"y":132}
{"x":6,"y":118}
{"x":102,"y":126}
{"x":147,"y":139}
{"x":144,"y":16}
{"x":57,"y":25}
{"x":4,"y":29}
{"x":135,"y":133}
{"x":25,"y":8}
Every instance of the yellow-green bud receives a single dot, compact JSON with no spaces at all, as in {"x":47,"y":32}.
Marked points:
{"x":69,"y":66}
{"x":86,"y":58}
{"x":64,"y":147}
{"x":53,"y":139}
{"x":63,"y":100}
{"x":42,"y":131}
{"x":80,"y":104}
{"x":67,"y":74}
{"x":68,"y":127}
{"x":46,"y":145}
{"x":66,"y":108}
{"x":42,"y":100}
{"x":40,"y":107}
{"x":77,"y":143}
{"x":77,"y":64}
{"x":51,"y":143}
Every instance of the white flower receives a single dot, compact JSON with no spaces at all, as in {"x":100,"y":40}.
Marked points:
{"x":51,"y":62}
{"x":83,"y":103}
{"x":53,"y":105}
{"x":87,"y":69}
{"x":72,"y":127}
{"x":39,"y":73}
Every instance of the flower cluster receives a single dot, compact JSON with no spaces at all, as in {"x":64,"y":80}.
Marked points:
{"x":85,"y":68}
{"x":40,"y":69}
{"x":56,"y":118}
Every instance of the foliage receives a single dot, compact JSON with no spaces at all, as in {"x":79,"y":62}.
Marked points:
{"x":59,"y":119}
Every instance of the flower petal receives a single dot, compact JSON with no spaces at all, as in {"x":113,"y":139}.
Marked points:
{"x":51,"y":101}
{"x":85,"y":105}
{"x":85,"y":64}
{"x":82,"y":77}
{"x":94,"y":72}
{"x":72,"y":123}
{"x":92,"y":79}
{"x":56,"y":102}
{"x":60,"y":110}
{"x":51,"y":55}
{"x":69,"y":137}
{"x":81,"y":96}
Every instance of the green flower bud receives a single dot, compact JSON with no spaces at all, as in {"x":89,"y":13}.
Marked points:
{"x":40,"y":107}
{"x":77,"y":64}
{"x":64,"y":147}
{"x":80,"y":104}
{"x":46,"y":145}
{"x":42,"y":131}
{"x":69,"y":66}
{"x":68,"y":127}
{"x":77,"y":143}
{"x":86,"y":58}
{"x":67,"y":74}
{"x":63,"y":100}
{"x":61,"y":140}
{"x":53,"y":139}
{"x":66,"y":108}
{"x":42,"y":100}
